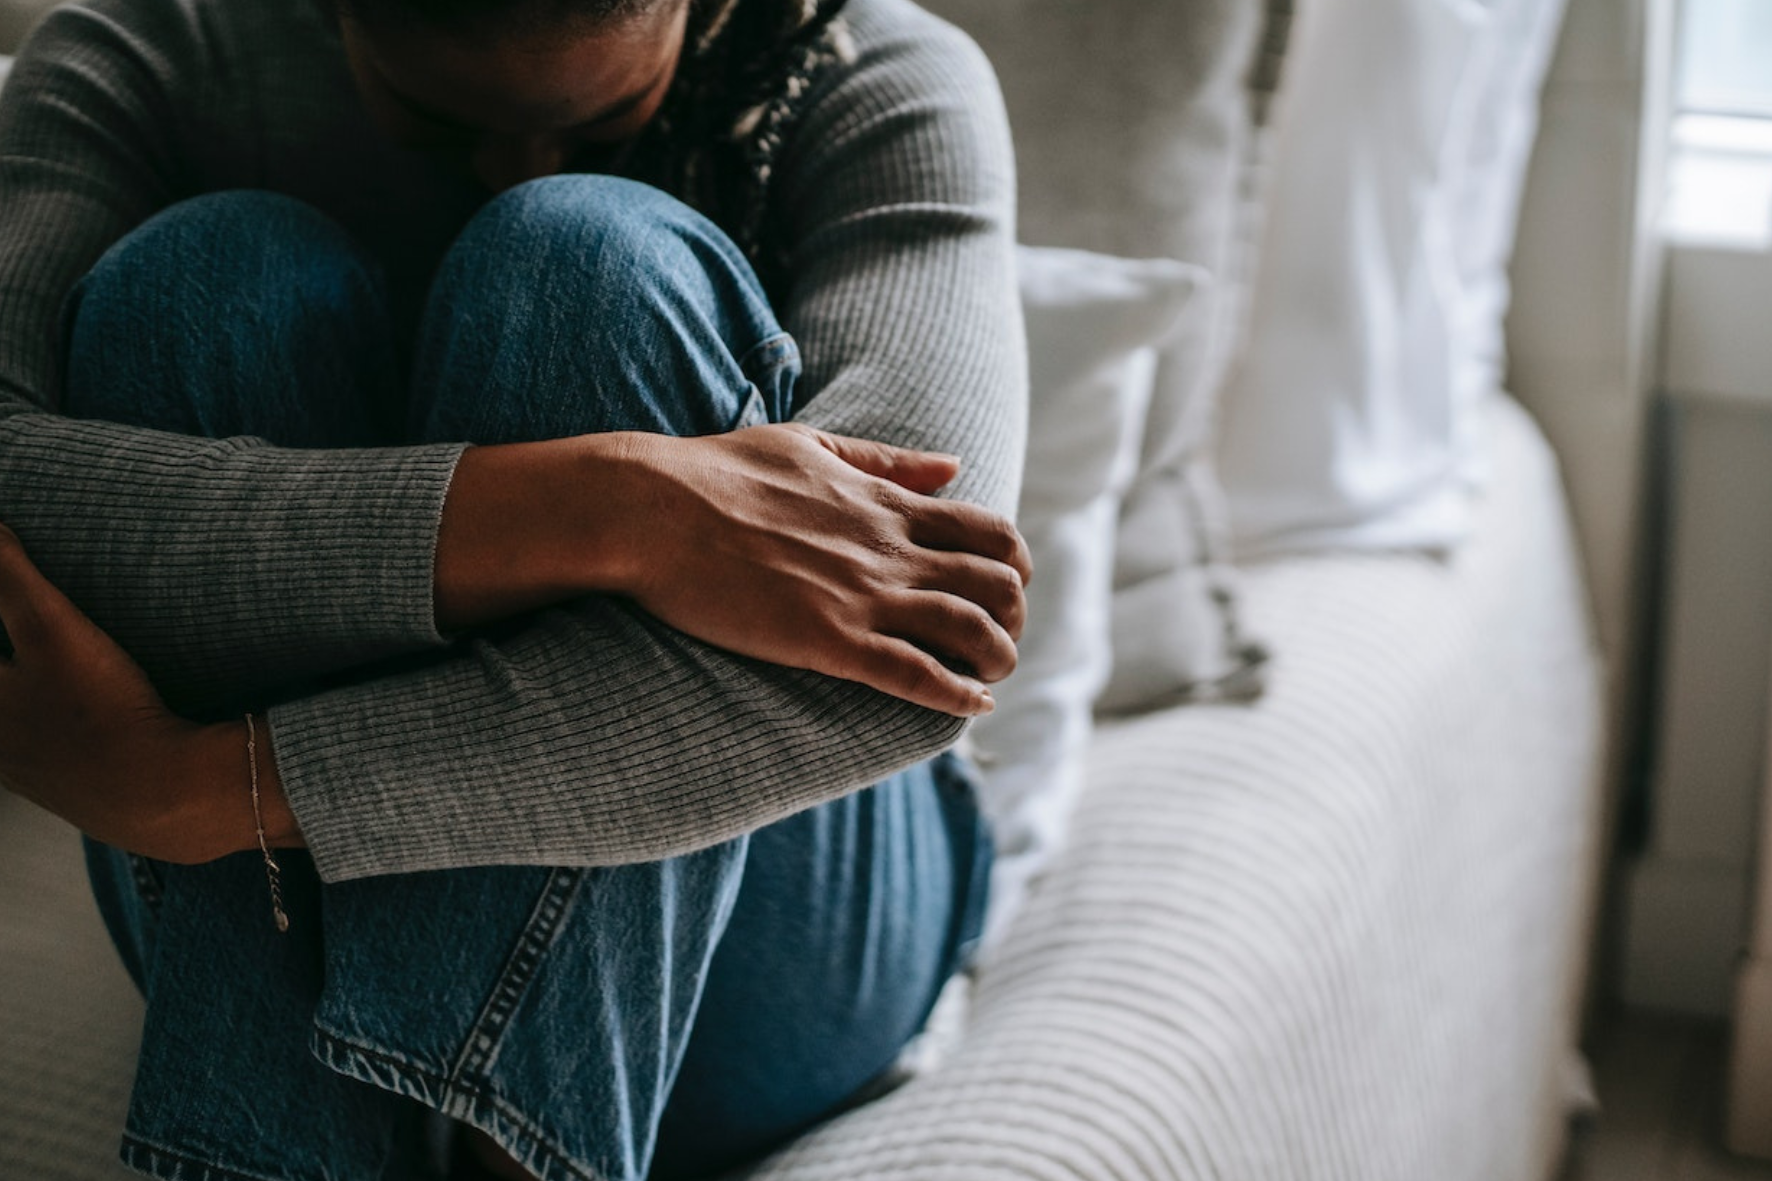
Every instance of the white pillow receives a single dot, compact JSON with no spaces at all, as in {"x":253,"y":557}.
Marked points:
{"x":1092,"y":324}
{"x":1153,"y":157}
{"x":1503,"y":114}
{"x":1351,"y":420}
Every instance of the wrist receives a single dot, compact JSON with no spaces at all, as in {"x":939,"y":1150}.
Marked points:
{"x":210,"y":789}
{"x":527,"y":525}
{"x":604,"y":501}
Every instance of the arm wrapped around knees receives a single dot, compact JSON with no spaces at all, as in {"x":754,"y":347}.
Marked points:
{"x":224,"y":566}
{"x":675,"y":747}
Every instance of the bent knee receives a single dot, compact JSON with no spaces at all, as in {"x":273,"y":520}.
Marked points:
{"x":578,"y":303}
{"x":607,"y":232}
{"x":217,"y":258}
{"x":243,"y":291}
{"x":241,"y":235}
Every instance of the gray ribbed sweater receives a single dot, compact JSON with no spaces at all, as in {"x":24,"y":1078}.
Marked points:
{"x":592,"y":734}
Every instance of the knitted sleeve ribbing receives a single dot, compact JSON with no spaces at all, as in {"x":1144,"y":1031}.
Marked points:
{"x":222,"y":566}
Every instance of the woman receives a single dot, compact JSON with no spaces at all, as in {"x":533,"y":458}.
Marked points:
{"x":341,"y":244}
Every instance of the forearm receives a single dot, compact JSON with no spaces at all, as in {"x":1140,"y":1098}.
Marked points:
{"x":229,"y":568}
{"x":595,"y":735}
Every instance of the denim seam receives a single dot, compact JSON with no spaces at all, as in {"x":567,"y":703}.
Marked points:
{"x":449,"y":1096}
{"x":544,"y":924}
{"x":159,"y":1161}
{"x":465,"y":1090}
{"x":956,"y":781}
{"x":148,"y":886}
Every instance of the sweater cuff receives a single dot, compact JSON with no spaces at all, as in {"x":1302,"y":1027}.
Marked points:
{"x":359,"y":554}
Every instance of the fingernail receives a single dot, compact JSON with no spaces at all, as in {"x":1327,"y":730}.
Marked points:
{"x":987,"y":703}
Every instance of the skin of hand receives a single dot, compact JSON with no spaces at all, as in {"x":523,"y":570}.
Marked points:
{"x":781,"y":543}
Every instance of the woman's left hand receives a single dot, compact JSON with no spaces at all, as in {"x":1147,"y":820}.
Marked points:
{"x":85,"y":735}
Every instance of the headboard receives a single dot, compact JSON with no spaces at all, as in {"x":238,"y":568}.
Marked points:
{"x":1586,"y":273}
{"x":1584,"y":324}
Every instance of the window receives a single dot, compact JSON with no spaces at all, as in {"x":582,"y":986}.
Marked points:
{"x":1726,"y":58}
{"x":1721,"y":191}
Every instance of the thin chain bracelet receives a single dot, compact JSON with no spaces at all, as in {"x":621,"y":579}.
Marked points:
{"x":273,"y":871}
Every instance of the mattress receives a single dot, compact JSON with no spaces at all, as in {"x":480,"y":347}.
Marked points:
{"x":1337,"y":934}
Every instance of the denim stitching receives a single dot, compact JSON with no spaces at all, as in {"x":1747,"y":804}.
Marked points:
{"x":754,"y":411}
{"x":466,"y":1090}
{"x":538,"y":935}
{"x":159,"y":1161}
{"x":452,"y":1097}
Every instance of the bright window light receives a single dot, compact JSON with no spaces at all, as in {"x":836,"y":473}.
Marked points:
{"x":1721,"y":170}
{"x":1726,"y":57}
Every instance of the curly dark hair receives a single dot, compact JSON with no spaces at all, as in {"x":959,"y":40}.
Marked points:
{"x":751,"y":70}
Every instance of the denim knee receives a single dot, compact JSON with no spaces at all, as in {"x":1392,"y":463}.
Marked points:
{"x":229,"y":314}
{"x":573,"y":304}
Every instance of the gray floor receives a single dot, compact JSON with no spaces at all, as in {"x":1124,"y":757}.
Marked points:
{"x":1660,"y":1086}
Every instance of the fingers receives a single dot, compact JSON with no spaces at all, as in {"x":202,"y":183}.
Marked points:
{"x":965,"y":528}
{"x":959,"y":632}
{"x":34,"y":613}
{"x":916,"y":471}
{"x":900,"y":668}
{"x":936,"y":524}
{"x":21,"y":608}
{"x":993,"y":586}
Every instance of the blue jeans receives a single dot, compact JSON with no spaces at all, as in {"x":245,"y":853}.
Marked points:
{"x":669,"y":1020}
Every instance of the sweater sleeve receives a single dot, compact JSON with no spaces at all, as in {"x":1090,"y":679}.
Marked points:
{"x":595,"y":735}
{"x":222,"y":566}
{"x":905,"y":308}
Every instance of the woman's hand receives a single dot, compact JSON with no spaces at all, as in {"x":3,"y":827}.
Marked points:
{"x":84,"y":735}
{"x":828,"y":553}
{"x":781,"y":543}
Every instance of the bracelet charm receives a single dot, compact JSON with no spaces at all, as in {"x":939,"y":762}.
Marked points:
{"x":273,"y":871}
